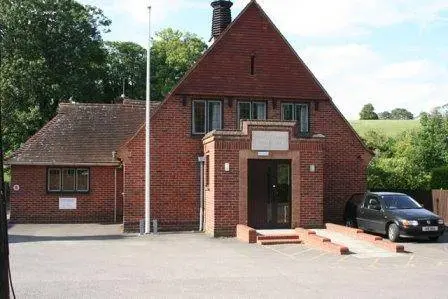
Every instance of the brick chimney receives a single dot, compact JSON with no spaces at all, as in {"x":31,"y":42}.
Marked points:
{"x":222,"y":17}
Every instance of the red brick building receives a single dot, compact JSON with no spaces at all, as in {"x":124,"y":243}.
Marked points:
{"x":249,"y":120}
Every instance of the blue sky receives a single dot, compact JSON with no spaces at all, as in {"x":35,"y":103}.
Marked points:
{"x":391,"y":53}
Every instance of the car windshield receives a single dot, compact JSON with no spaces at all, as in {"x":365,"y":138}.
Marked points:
{"x":400,"y":202}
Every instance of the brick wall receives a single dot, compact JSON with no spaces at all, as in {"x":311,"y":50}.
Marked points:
{"x":227,"y":193}
{"x":224,"y":74}
{"x":174,"y":171}
{"x":33,"y":204}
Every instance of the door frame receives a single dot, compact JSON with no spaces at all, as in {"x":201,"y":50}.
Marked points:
{"x":271,"y":196}
{"x":295,"y":157}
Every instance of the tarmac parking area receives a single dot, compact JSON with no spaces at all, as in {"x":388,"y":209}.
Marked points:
{"x":97,"y":261}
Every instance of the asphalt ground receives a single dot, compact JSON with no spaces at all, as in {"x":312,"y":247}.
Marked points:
{"x":96,"y":261}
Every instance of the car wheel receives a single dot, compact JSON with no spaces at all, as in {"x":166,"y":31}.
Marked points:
{"x":435,"y":238}
{"x":393,"y":232}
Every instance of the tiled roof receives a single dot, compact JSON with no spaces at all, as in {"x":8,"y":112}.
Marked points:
{"x":83,"y":134}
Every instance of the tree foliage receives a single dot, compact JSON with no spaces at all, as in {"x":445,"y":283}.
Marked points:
{"x":52,"y":51}
{"x":368,"y":112}
{"x":401,"y":114}
{"x":125,"y":70}
{"x":384,"y":115}
{"x":172,"y":54}
{"x":397,"y":114}
{"x":408,"y":161}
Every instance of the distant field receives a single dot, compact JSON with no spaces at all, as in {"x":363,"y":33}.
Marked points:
{"x":391,"y":128}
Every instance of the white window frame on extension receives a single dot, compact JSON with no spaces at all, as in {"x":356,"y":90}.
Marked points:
{"x":76,"y":188}
{"x":252,"y":105}
{"x":303,"y":118}
{"x":209,"y":123}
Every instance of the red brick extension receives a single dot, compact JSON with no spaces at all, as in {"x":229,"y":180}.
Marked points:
{"x":33,"y":204}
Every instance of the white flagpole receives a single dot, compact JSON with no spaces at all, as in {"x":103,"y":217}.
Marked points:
{"x":148,"y":130}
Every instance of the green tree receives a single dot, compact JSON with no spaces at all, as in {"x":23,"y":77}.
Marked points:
{"x":395,"y":167}
{"x":401,"y":114}
{"x":52,"y":51}
{"x":125,"y":68}
{"x":172,"y":54}
{"x":368,"y":112}
{"x":384,"y":115}
{"x":430,"y":145}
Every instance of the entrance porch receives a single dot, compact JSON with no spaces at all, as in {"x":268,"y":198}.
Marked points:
{"x":262,"y":176}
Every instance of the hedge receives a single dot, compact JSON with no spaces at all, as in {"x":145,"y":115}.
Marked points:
{"x":439,"y":178}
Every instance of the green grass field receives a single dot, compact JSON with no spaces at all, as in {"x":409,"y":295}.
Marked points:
{"x":391,"y":128}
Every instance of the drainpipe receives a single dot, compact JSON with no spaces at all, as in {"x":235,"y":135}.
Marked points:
{"x":201,"y":161}
{"x":115,"y":195}
{"x":114,"y":157}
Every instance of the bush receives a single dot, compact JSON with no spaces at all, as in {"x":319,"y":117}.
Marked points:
{"x":439,"y":178}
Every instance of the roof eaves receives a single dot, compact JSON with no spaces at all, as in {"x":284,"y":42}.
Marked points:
{"x":55,"y":163}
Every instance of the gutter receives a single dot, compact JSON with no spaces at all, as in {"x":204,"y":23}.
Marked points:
{"x":201,"y":161}
{"x":64,"y":163}
{"x":115,"y":195}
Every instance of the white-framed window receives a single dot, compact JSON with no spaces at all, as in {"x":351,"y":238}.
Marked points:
{"x":251,"y":110}
{"x":68,"y":179}
{"x":297,"y":112}
{"x":206,"y":116}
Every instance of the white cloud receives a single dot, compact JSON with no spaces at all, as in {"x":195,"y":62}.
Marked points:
{"x":347,"y":17}
{"x":355,"y":75}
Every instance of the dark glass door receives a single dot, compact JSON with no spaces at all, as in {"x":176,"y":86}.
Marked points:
{"x":269,"y":193}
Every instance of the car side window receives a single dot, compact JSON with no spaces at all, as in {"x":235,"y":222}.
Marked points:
{"x":368,"y":199}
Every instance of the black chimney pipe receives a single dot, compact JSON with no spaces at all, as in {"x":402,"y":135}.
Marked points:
{"x":222,"y":17}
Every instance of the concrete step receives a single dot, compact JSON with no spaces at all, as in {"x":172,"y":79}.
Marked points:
{"x":278,"y":237}
{"x":279,"y":241}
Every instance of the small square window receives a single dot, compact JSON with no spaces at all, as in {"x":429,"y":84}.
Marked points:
{"x":243,"y":111}
{"x":251,"y":111}
{"x":214,"y":116}
{"x":288,"y":112}
{"x":297,"y":112}
{"x":199,"y":117}
{"x":82,"y":180}
{"x":68,"y":179}
{"x":207,"y":116}
{"x":54,"y":179}
{"x":259,"y":110}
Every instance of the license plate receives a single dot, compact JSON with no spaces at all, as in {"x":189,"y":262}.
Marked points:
{"x":430,"y":228}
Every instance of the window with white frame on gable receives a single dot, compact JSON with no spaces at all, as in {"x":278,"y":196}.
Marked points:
{"x":297,"y":112}
{"x":68,"y":179}
{"x":206,"y":116}
{"x":251,"y":110}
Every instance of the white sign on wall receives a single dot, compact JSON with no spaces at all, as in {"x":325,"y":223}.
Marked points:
{"x":67,"y":203}
{"x":270,"y":141}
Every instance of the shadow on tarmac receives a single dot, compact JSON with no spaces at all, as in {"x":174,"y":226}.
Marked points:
{"x":25,"y":239}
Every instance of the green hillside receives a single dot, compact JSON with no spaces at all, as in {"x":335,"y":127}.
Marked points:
{"x":389,"y":127}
